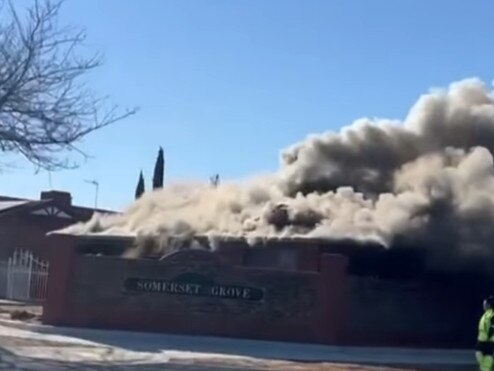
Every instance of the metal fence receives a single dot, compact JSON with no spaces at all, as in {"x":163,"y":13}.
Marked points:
{"x":24,"y":277}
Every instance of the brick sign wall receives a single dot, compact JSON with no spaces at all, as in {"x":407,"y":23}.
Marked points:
{"x":196,"y":292}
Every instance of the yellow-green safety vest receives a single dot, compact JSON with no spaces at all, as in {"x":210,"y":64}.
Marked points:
{"x":486,"y":326}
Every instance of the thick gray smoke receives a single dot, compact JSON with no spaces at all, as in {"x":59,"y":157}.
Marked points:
{"x":427,"y":180}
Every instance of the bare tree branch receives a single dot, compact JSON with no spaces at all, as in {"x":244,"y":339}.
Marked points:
{"x":45,"y":107}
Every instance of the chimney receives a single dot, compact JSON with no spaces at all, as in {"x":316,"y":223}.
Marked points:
{"x":62,"y":198}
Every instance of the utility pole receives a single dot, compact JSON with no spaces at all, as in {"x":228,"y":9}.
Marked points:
{"x":95,"y":183}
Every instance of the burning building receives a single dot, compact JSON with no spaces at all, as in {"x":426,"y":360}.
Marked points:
{"x":411,"y":204}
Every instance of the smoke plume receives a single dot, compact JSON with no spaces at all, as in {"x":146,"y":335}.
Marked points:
{"x":427,"y":180}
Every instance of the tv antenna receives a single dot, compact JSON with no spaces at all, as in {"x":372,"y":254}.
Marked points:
{"x":95,"y":183}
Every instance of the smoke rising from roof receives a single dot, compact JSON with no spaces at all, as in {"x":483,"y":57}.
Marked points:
{"x":427,"y":180}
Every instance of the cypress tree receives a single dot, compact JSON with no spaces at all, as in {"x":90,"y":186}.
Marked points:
{"x":140,"y":189}
{"x":159,"y":170}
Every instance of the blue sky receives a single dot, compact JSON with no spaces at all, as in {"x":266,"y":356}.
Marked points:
{"x":224,"y":85}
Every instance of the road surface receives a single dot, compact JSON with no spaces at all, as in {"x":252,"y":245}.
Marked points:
{"x":32,"y":346}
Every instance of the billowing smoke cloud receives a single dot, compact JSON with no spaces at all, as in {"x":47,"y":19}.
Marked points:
{"x":427,"y":180}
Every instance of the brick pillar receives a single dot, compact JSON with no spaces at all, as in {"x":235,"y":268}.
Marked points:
{"x":62,"y":253}
{"x":333,"y":297}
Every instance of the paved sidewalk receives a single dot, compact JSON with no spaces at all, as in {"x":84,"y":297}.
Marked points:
{"x":37,"y":347}
{"x":27,"y":354}
{"x":10,"y":361}
{"x":32,"y":346}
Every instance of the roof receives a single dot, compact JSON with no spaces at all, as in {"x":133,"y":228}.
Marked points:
{"x":10,"y":205}
{"x":91,"y":210}
{"x":6,"y":205}
{"x":95,"y":237}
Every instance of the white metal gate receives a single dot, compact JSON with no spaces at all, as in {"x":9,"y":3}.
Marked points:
{"x":24,"y":277}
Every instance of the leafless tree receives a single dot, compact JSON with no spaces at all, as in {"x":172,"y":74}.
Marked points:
{"x":45,"y":107}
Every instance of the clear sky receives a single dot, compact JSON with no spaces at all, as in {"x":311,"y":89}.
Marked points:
{"x":224,"y":85}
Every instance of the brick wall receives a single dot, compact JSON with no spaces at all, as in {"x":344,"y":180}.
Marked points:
{"x":411,"y":313}
{"x":295,"y":306}
{"x":314,"y":299}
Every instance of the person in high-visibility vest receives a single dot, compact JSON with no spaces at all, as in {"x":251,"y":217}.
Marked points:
{"x":485,"y":341}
